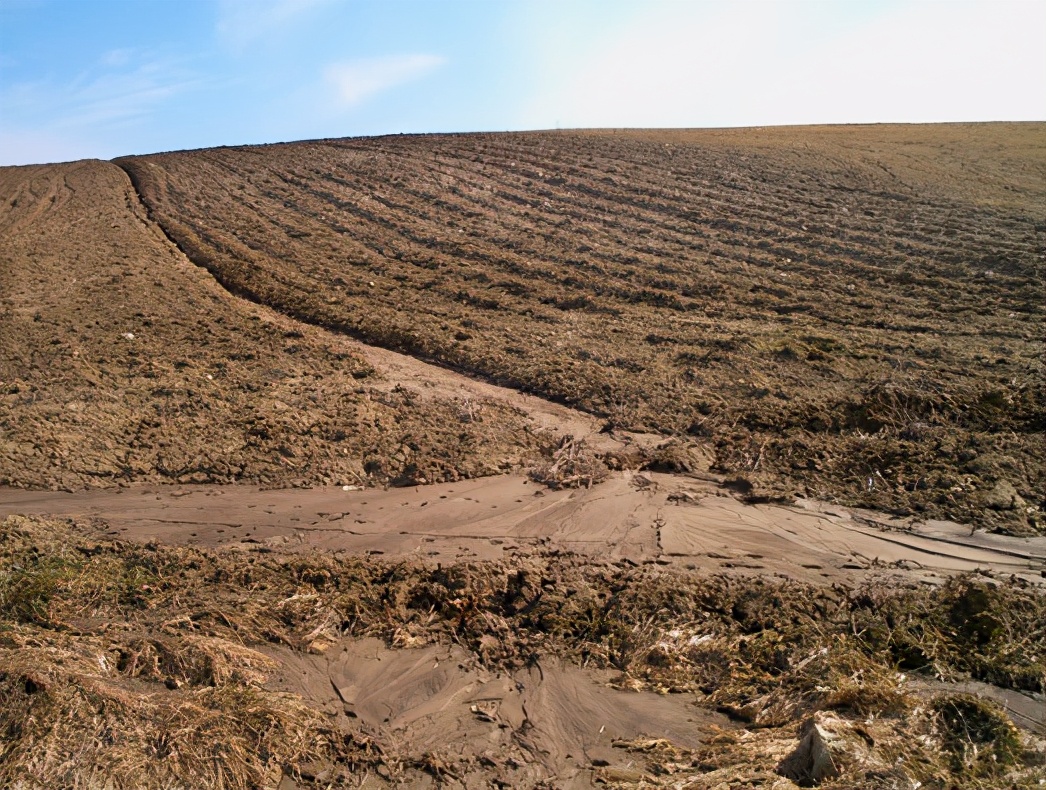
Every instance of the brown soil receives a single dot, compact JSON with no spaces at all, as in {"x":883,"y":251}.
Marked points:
{"x":657,"y":495}
{"x":849,"y":313}
{"x":662,"y":520}
{"x":120,"y":360}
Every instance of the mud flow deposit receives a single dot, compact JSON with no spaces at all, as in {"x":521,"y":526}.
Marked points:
{"x":687,"y":459}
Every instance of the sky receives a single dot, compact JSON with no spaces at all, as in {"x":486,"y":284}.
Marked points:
{"x":105,"y":78}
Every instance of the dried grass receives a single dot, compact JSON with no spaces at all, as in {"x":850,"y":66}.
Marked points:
{"x":140,"y":665}
{"x":573,"y":465}
{"x":73,"y":720}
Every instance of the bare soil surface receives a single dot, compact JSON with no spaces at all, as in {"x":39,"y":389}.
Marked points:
{"x":680,"y":459}
{"x":852,"y":314}
{"x":251,"y":665}
{"x":122,"y":361}
{"x":637,"y":518}
{"x":520,"y":727}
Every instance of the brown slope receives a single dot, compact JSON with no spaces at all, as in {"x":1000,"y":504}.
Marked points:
{"x":121,"y":360}
{"x":850,"y":313}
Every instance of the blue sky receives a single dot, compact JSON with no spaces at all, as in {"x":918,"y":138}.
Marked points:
{"x":102,"y":78}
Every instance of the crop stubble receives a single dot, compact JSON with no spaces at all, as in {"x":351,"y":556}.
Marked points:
{"x":173,"y":666}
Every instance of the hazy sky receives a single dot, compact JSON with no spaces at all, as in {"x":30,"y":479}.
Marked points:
{"x":101,"y":78}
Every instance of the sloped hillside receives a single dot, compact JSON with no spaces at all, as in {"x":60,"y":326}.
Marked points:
{"x":122,"y":361}
{"x":853,"y":313}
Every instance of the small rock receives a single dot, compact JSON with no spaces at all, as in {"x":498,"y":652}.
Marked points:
{"x":1004,"y":497}
{"x":684,"y":496}
{"x":818,"y":755}
{"x":619,"y":776}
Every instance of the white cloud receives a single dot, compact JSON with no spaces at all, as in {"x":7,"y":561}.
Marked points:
{"x":119,"y":98}
{"x":790,"y":61}
{"x":117,"y":57}
{"x":358,"y":80}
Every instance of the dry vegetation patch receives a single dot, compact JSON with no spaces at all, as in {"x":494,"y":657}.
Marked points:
{"x":146,"y":666}
{"x":573,"y":465}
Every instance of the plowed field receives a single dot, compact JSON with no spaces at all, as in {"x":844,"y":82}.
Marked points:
{"x":844,"y":314}
{"x":854,"y":314}
{"x":121,"y":361}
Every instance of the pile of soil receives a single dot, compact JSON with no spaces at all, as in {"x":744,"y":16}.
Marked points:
{"x":847,"y":313}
